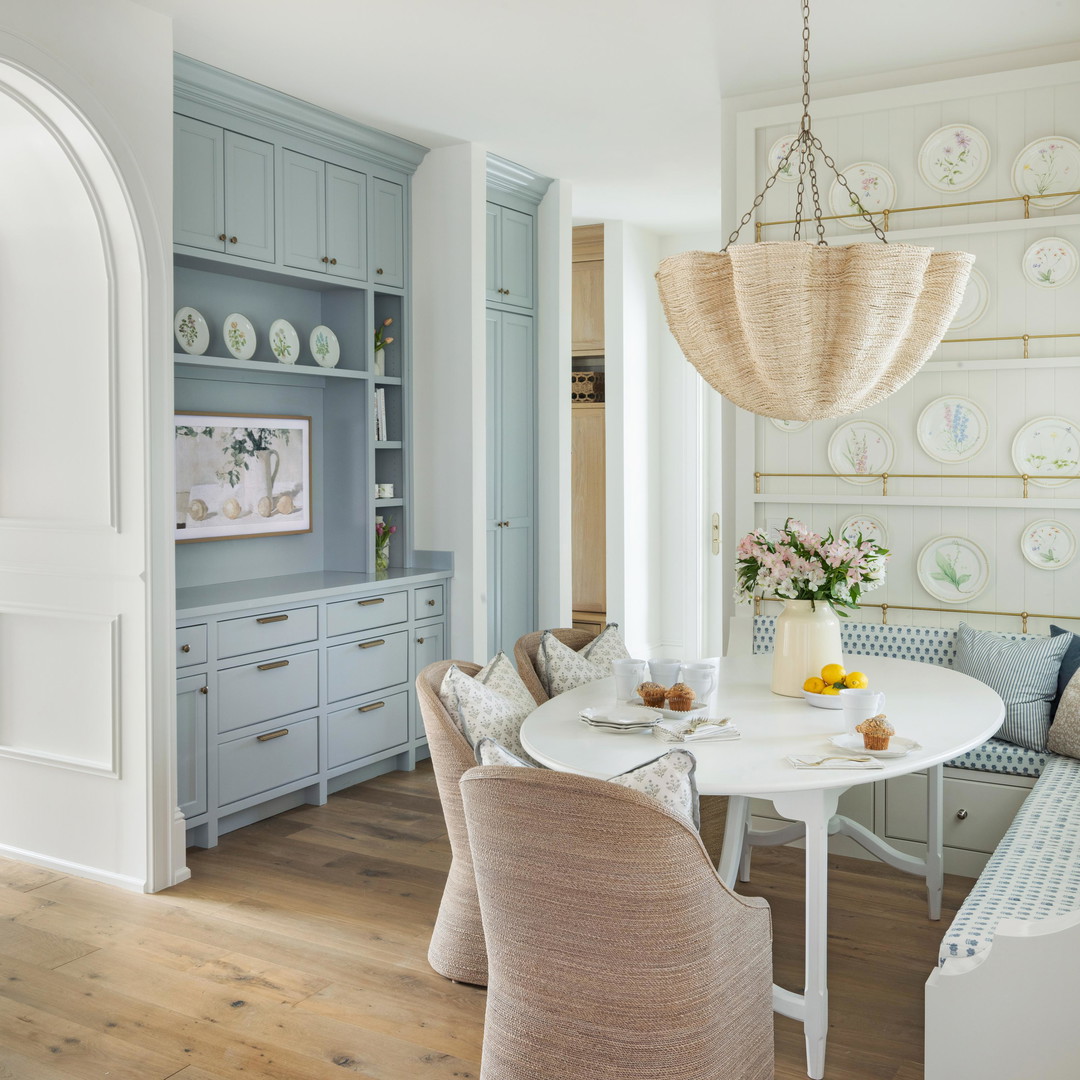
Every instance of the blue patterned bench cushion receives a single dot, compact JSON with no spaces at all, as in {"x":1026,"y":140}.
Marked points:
{"x":997,"y":755}
{"x":1035,"y":871}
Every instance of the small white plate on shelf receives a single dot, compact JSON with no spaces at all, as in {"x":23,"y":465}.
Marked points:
{"x":952,"y":429}
{"x":284,"y":342}
{"x":869,"y":528}
{"x":822,"y":701}
{"x":974,"y":304}
{"x":1050,"y":262}
{"x":954,"y":158}
{"x":192,"y":333}
{"x":324,"y":347}
{"x":953,"y":569}
{"x":1046,"y":166}
{"x":860,"y":446}
{"x":1048,"y":544}
{"x":788,"y":425}
{"x":239,"y":336}
{"x":872,"y":184}
{"x":1048,"y":450}
{"x":898,"y":745}
{"x":790,"y":172}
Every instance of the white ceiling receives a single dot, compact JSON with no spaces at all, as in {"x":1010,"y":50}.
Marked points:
{"x":622,"y":98}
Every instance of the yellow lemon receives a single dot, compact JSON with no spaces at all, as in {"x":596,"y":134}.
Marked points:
{"x":856,"y":680}
{"x":814,"y":685}
{"x":830,"y":690}
{"x":833,"y":673}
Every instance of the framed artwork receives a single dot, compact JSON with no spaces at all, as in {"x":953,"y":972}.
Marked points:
{"x":241,"y":476}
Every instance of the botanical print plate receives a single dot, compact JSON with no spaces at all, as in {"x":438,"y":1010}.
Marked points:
{"x":871,"y":184}
{"x":1048,"y":450}
{"x":788,"y":425}
{"x":191,"y":331}
{"x":863,"y":447}
{"x":1047,"y":165}
{"x":239,"y":336}
{"x":1048,"y":544}
{"x":324,"y":346}
{"x":952,"y":429}
{"x":284,"y":343}
{"x":973,"y":307}
{"x":953,"y":569}
{"x":1050,"y":262}
{"x":869,"y":528}
{"x":789,"y":174}
{"x":954,"y":158}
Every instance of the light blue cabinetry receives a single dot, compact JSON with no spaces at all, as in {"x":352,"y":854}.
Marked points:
{"x":511,"y":256}
{"x":191,"y":695}
{"x":388,"y":233}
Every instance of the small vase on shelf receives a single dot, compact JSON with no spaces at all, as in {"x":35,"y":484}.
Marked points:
{"x":380,"y":363}
{"x":807,"y":638}
{"x":382,"y":556}
{"x":383,"y":531}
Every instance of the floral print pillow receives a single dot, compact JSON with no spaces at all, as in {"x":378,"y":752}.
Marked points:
{"x":561,"y":668}
{"x":489,"y":752}
{"x":669,"y":779}
{"x":500,"y":676}
{"x":606,"y":648}
{"x":480,"y":711}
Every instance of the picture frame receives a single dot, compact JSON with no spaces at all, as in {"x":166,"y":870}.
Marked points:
{"x":241,"y":476}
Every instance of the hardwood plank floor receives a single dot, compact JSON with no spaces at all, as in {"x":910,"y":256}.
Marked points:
{"x":298,"y":952}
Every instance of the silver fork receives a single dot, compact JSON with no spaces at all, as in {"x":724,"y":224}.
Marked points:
{"x":836,"y":757}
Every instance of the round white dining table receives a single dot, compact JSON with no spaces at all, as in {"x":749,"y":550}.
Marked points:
{"x":945,"y":712}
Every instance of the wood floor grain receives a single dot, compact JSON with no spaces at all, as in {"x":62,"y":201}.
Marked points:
{"x":298,"y":952}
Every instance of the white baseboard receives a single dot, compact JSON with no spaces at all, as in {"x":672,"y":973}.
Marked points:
{"x":74,"y":869}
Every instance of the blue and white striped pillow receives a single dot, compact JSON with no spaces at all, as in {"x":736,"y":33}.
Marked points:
{"x":1024,"y":673}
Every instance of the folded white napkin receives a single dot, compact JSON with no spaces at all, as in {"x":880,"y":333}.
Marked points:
{"x":702,"y":729}
{"x":828,"y":761}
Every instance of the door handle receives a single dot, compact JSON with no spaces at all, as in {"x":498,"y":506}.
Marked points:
{"x":333,"y":262}
{"x":716,"y":534}
{"x":419,"y":641}
{"x":326,"y":258}
{"x":272,"y":735}
{"x":232,"y":239}
{"x":222,"y":237}
{"x":431,"y":603}
{"x":372,"y":707}
{"x":372,"y":644}
{"x":185,"y":648}
{"x":275,"y":664}
{"x":272,"y":618}
{"x":368,"y":603}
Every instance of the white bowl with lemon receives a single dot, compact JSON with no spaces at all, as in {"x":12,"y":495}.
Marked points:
{"x":823,"y":691}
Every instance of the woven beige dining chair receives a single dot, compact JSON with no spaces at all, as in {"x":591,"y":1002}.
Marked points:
{"x":614,"y":950}
{"x":527,"y":647}
{"x":457,"y":942}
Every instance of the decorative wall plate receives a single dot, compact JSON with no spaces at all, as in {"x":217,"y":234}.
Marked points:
{"x":1048,"y":450}
{"x":790,"y":173}
{"x":239,"y":336}
{"x":973,"y":307}
{"x":953,"y":569}
{"x":324,"y":346}
{"x":284,"y":342}
{"x":868,"y":527}
{"x":860,"y":446}
{"x":788,"y":425}
{"x":1044,"y":166}
{"x":872,"y":184}
{"x":1048,"y":544}
{"x":192,"y":333}
{"x":954,"y":158}
{"x":952,"y":429}
{"x":1050,"y":262}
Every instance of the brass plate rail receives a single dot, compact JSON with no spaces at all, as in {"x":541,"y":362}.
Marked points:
{"x":1023,"y":616}
{"x":886,"y":214}
{"x":887,"y":476}
{"x":1025,"y":338}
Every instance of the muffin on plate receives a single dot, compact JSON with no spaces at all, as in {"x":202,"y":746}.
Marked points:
{"x":876,"y":732}
{"x":680,"y":698}
{"x":652,"y":694}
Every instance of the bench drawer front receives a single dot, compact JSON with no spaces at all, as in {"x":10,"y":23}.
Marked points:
{"x":366,"y":612}
{"x":258,"y":763}
{"x":190,"y":645}
{"x":429,"y":602}
{"x":366,"y":729}
{"x":366,"y":666}
{"x":256,"y":692}
{"x":976,"y":813}
{"x":267,"y":630}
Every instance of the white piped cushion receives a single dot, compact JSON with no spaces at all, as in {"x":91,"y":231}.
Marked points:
{"x":607,"y":647}
{"x":561,"y":668}
{"x":480,"y":710}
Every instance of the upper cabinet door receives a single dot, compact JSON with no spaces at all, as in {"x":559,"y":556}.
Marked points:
{"x":516,"y":262}
{"x":387,"y":233}
{"x":492,"y":287}
{"x":346,"y":224}
{"x":303,"y":233}
{"x":249,"y":197}
{"x":198,"y":184}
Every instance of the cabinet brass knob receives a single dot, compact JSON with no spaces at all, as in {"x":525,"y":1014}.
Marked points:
{"x":333,"y":262}
{"x":232,"y":239}
{"x":419,"y":641}
{"x":275,"y":664}
{"x":272,"y":735}
{"x":431,"y":603}
{"x":185,"y":648}
{"x":372,"y":644}
{"x":961,"y":814}
{"x":222,"y":236}
{"x":379,"y":271}
{"x":370,"y":708}
{"x":326,"y":258}
{"x":203,"y":690}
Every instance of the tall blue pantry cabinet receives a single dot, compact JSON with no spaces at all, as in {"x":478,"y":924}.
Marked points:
{"x":295,"y":657}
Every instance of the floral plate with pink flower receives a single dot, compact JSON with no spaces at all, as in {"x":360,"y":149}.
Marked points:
{"x":1046,"y":166}
{"x":871,"y":184}
{"x":1050,"y":262}
{"x":1048,"y":544}
{"x":952,"y":429}
{"x":954,"y":158}
{"x":860,"y":451}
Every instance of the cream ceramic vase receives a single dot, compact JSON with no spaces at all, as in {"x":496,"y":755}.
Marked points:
{"x":807,"y":638}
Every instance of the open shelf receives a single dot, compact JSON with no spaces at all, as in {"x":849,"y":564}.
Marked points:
{"x":263,"y":365}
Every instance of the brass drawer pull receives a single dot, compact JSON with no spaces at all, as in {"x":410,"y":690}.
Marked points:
{"x":372,"y":707}
{"x":419,"y":641}
{"x":372,"y":644}
{"x":961,"y":815}
{"x":185,"y":648}
{"x":275,"y":664}
{"x":368,"y":603}
{"x":271,"y":618}
{"x":431,"y":603}
{"x":272,"y":735}
{"x":203,"y":690}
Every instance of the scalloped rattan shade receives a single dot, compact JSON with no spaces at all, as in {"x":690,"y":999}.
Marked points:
{"x":800,"y":331}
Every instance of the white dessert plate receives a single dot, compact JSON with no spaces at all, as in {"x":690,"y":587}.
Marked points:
{"x":1048,"y":450}
{"x":284,"y":342}
{"x":790,"y":172}
{"x":1048,"y":544}
{"x":239,"y":336}
{"x":952,"y":429}
{"x":953,"y":569}
{"x":324,"y":346}
{"x":973,"y":306}
{"x":872,"y":184}
{"x":621,"y":718}
{"x":686,"y":714}
{"x":898,"y":745}
{"x":191,"y":331}
{"x":788,"y":425}
{"x":954,"y":158}
{"x":869,"y":528}
{"x":822,"y":701}
{"x":1050,"y":262}
{"x":860,"y":446}
{"x":1045,"y":166}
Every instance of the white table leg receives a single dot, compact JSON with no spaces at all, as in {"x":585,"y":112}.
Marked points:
{"x":935,"y":839}
{"x":735,"y":826}
{"x":816,"y":809}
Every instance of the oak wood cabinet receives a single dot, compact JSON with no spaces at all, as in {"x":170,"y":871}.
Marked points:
{"x":587,"y":288}
{"x":588,"y":509}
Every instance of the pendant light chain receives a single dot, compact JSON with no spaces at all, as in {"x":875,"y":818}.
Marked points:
{"x":806,"y":142}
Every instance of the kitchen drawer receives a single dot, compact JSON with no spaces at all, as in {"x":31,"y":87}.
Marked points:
{"x":268,"y":630}
{"x":366,"y":666}
{"x":190,"y":645}
{"x":260,"y":691}
{"x":366,"y":612}
{"x":976,"y":813}
{"x":429,"y":602}
{"x":366,"y":729}
{"x":257,"y":763}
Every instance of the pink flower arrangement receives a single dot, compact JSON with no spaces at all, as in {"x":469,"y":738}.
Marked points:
{"x":797,"y":564}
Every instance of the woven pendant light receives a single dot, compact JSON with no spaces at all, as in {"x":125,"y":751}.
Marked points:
{"x":799,"y":330}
